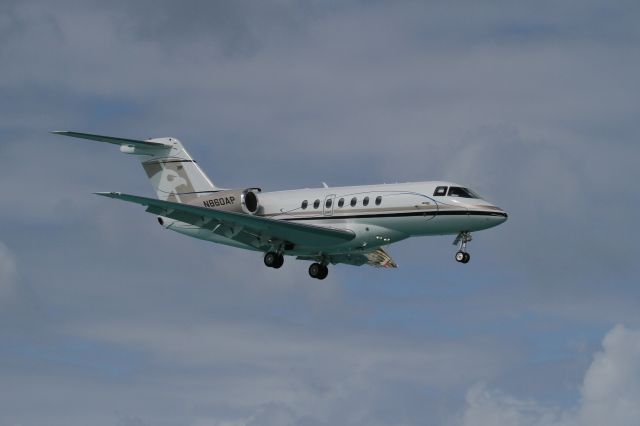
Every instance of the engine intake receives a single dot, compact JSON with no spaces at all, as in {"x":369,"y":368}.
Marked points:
{"x":249,"y":200}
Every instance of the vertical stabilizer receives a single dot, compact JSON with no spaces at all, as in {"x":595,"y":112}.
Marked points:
{"x":174,"y":175}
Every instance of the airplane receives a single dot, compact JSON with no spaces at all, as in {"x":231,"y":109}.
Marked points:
{"x":329,"y":225}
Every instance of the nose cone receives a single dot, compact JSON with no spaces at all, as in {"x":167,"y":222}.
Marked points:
{"x":499,"y":216}
{"x":497,"y":211}
{"x":503,"y":217}
{"x":488,"y":215}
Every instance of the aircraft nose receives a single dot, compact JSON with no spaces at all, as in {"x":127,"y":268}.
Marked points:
{"x":499,"y":211}
{"x":496,"y":214}
{"x":505,"y":216}
{"x":501,"y":215}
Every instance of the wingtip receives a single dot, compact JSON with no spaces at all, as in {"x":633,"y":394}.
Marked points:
{"x":107,"y":194}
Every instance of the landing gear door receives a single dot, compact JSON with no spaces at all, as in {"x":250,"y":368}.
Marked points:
{"x":327,"y":208}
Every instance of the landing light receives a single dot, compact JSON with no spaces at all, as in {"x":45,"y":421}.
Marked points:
{"x":127,"y":149}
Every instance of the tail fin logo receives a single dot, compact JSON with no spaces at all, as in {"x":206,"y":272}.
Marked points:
{"x":170,"y":180}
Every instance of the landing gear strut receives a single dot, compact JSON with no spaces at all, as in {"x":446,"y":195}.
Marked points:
{"x":318,"y":271}
{"x":462,"y":239}
{"x":273,"y":259}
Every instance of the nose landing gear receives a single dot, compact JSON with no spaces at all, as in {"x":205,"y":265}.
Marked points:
{"x":463,"y":257}
{"x":462,"y":239}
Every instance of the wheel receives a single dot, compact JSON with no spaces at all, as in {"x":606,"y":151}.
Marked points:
{"x":324,"y":271}
{"x":461,"y":256}
{"x":314,"y":270}
{"x":271,"y":259}
{"x":467,"y":258}
{"x":279,"y":262}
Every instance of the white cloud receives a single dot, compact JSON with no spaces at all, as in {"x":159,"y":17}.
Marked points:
{"x":611,"y":387}
{"x":610,"y":393}
{"x":248,"y":373}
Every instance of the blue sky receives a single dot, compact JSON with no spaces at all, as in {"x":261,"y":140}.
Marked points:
{"x":107,"y":319}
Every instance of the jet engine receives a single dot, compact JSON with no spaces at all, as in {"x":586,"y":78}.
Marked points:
{"x":249,"y":200}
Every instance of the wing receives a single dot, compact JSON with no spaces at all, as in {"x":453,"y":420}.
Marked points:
{"x":252,"y":230}
{"x":378,"y":258}
{"x":117,"y":141}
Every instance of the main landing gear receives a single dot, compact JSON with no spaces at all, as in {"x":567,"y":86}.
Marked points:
{"x":463,"y":238}
{"x":273,"y":259}
{"x":318,"y":271}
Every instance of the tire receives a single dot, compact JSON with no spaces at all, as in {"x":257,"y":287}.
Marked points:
{"x":461,"y":256}
{"x":279,"y":261}
{"x":314,"y":270}
{"x":467,"y":258}
{"x":271,"y":259}
{"x":324,"y":271}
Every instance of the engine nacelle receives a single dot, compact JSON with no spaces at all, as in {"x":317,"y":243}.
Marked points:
{"x":235,"y":200}
{"x":249,"y":200}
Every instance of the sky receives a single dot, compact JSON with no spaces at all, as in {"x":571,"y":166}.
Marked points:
{"x":108,"y":319}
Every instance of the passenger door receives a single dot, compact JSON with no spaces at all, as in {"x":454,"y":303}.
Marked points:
{"x":327,"y":207}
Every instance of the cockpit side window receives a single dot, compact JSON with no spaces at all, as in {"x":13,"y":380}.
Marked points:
{"x":456,"y":191}
{"x":440,"y":191}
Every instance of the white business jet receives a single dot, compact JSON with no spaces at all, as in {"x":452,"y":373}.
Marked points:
{"x":348,"y":225}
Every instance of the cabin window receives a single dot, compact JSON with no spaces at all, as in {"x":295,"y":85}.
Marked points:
{"x":378,"y":200}
{"x":304,"y":205}
{"x":341,"y":202}
{"x":365,"y":202}
{"x":316,"y":204}
{"x":456,"y":191}
{"x":354,"y":201}
{"x":328,"y":203}
{"x":440,"y":191}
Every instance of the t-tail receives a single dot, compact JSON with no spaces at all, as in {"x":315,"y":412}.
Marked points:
{"x":174,"y":175}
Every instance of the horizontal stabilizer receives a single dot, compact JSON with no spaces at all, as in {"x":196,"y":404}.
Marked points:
{"x":116,"y":141}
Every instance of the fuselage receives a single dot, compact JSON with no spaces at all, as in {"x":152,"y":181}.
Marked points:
{"x":378,"y":215}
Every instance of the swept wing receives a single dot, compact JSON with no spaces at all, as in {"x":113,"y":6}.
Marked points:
{"x":252,"y":230}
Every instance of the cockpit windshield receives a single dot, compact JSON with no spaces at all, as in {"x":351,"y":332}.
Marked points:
{"x":456,"y":191}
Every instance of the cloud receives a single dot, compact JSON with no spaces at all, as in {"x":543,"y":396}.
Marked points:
{"x":609,"y":395}
{"x":248,"y":372}
{"x":611,"y":387}
{"x":489,"y":407}
{"x":532,"y":104}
